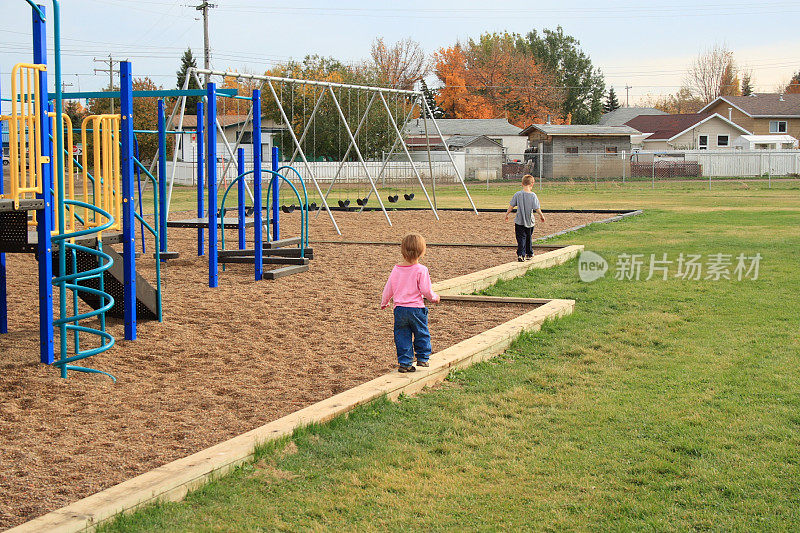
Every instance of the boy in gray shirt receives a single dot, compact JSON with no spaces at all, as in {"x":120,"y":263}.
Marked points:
{"x":526,"y":203}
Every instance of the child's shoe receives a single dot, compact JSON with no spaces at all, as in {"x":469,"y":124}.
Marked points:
{"x":520,"y":258}
{"x":424,"y":364}
{"x":405,"y":369}
{"x":528,"y":258}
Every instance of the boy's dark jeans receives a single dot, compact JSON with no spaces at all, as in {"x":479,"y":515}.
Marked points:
{"x":408,"y":322}
{"x":524,"y":240}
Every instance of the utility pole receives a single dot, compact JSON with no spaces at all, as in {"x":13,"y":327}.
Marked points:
{"x":204,"y":7}
{"x":110,"y":71}
{"x":627,"y":96}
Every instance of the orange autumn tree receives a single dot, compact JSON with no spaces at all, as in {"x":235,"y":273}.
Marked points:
{"x":491,"y":78}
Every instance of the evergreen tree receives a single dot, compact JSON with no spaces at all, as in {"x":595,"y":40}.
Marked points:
{"x":188,"y":61}
{"x":430,"y":98}
{"x":747,"y":85}
{"x":611,"y":101}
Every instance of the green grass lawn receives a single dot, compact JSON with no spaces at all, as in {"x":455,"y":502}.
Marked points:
{"x":657,"y":405}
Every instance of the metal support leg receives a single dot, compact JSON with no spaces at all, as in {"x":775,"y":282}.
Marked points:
{"x":358,"y":153}
{"x":408,"y":155}
{"x":258,"y":236}
{"x":213,"y":274}
{"x":240,"y":199}
{"x":302,"y":155}
{"x":3,"y":292}
{"x":162,"y":179}
{"x":200,"y":177}
{"x":44,"y":216}
{"x":128,"y":228}
{"x":446,"y":149}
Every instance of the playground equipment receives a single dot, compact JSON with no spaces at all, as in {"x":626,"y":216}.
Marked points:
{"x":372,"y":96}
{"x":72,"y":236}
{"x":272,"y":250}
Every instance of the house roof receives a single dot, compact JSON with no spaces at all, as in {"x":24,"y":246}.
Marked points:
{"x":460,"y":141}
{"x":667,"y":127}
{"x":463,"y":126}
{"x":762,"y":104}
{"x":620,"y":116}
{"x":580,"y":130}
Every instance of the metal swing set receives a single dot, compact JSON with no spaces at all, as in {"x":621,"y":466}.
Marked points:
{"x":376,"y":95}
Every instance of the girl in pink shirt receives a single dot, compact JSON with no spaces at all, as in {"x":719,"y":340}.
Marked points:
{"x":408,"y":283}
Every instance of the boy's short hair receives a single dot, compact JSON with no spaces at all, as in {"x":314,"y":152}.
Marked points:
{"x":527,"y":179}
{"x":412,"y":247}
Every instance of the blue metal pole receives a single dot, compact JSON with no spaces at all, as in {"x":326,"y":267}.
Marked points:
{"x":162,"y":179}
{"x":3,"y":293}
{"x":201,"y":161}
{"x":276,"y":216}
{"x":48,"y":150}
{"x":44,"y":216}
{"x":128,"y":227}
{"x":258,"y":227}
{"x":240,"y":201}
{"x":213,"y":271}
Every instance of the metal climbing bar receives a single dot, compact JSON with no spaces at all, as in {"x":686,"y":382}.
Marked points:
{"x":24,"y":132}
{"x":104,"y":161}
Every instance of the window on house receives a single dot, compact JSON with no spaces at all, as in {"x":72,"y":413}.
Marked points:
{"x":702,"y":142}
{"x":777,"y":126}
{"x":572,"y":150}
{"x":611,"y":149}
{"x":722,"y":140}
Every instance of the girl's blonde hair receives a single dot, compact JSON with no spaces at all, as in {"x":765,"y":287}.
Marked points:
{"x":412,"y":247}
{"x":527,"y":179}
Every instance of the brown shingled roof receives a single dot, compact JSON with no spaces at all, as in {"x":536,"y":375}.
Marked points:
{"x":764,"y":104}
{"x":666,"y":126}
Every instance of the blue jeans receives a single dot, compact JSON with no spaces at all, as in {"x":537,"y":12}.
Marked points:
{"x":411,"y":322}
{"x":524,"y":240}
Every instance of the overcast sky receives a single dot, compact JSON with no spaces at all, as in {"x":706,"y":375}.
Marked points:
{"x":645,"y":45}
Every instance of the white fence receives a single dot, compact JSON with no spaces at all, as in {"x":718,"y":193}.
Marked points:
{"x":325,"y":171}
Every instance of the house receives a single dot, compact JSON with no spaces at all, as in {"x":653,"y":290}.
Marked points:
{"x":686,"y":131}
{"x":497,"y":129}
{"x":477,"y":156}
{"x":559,"y":147}
{"x":231,"y":126}
{"x":620,"y":116}
{"x":761,"y":113}
{"x":765,"y":142}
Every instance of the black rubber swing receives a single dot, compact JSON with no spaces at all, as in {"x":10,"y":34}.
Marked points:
{"x":362,"y":201}
{"x":409,"y":196}
{"x":393,"y":199}
{"x":287,"y":208}
{"x":344,"y":204}
{"x":312,"y":206}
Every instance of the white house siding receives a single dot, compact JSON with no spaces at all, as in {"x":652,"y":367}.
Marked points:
{"x":712,"y":127}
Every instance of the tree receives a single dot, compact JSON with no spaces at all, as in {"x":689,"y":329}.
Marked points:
{"x":400,"y":66}
{"x":582,"y":83}
{"x":430,"y":99}
{"x":188,"y":61}
{"x":682,"y":101}
{"x":793,"y":87}
{"x":491,"y":78}
{"x":712,"y":73}
{"x":747,"y":84}
{"x":611,"y":101}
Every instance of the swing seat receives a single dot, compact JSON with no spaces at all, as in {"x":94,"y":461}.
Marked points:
{"x":249,"y":211}
{"x":393,"y":199}
{"x":347,"y":203}
{"x":287,"y":208}
{"x":409,"y":196}
{"x":312,"y":206}
{"x":362,"y":201}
